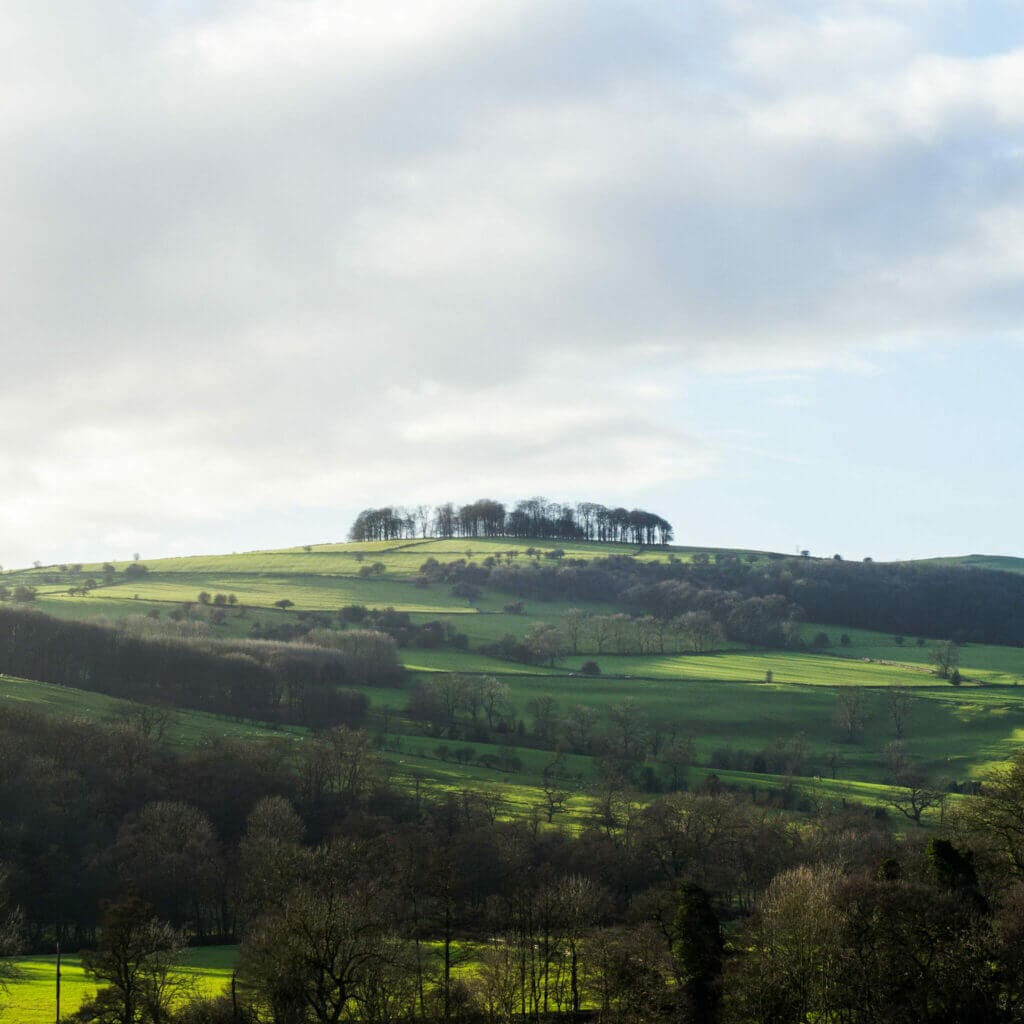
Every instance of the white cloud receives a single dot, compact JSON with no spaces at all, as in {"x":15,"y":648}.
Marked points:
{"x":300,"y":251}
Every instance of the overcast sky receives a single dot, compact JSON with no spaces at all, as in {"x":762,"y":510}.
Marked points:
{"x":757,"y":266}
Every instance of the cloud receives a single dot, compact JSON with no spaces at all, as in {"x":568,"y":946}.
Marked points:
{"x":257,"y":249}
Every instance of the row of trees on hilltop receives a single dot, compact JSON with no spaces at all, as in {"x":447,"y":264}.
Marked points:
{"x":530,"y":517}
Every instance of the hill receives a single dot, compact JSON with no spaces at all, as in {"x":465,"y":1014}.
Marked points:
{"x":998,"y":563}
{"x":672,"y":662}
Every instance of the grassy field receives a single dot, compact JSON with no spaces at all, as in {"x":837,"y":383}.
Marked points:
{"x":31,"y":997}
{"x":983,"y":662}
{"x":186,"y":729}
{"x":719,"y":700}
{"x":1002,"y":563}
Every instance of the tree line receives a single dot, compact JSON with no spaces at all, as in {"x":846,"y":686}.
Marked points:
{"x":966,"y":605}
{"x":531,"y":517}
{"x":303,"y":683}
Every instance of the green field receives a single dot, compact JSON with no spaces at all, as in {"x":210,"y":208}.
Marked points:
{"x":718,"y":700}
{"x":185,"y":729}
{"x":31,"y":997}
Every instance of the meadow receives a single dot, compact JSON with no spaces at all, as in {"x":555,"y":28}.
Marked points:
{"x":31,"y":996}
{"x":733,"y":699}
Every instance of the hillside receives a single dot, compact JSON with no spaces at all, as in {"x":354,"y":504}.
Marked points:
{"x":999,"y":563}
{"x":671,"y":706}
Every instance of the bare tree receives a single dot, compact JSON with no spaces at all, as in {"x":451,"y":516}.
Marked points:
{"x":135,"y":958}
{"x":573,"y":622}
{"x":914,"y":796}
{"x":555,"y":795}
{"x":899,"y":709}
{"x":946,"y":656}
{"x":851,"y":713}
{"x":543,"y":709}
{"x":323,"y":948}
{"x":600,"y":631}
{"x":579,"y":728}
{"x":496,"y":700}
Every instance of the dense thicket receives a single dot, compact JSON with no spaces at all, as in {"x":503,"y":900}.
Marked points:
{"x":531,"y":518}
{"x":252,"y":679}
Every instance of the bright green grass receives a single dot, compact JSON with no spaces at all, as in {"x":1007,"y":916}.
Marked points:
{"x":950,"y":733}
{"x":447,"y":660}
{"x":492,"y":623}
{"x":985,"y":662}
{"x":516,"y":799}
{"x":785,"y":666}
{"x":31,"y":998}
{"x":399,"y":556}
{"x":309,"y":593}
{"x":114,"y":612}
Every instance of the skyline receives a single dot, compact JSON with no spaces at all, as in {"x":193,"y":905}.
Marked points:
{"x":753,"y":266}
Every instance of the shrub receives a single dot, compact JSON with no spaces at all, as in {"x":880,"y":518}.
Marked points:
{"x":590,"y":668}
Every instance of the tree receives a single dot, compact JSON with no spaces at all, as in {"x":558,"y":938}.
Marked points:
{"x":578,"y":900}
{"x":946,"y":657}
{"x":545,"y":641}
{"x":284,"y":604}
{"x":699,"y":949}
{"x":169,"y":855}
{"x":10,"y":936}
{"x":269,"y":856}
{"x":579,"y":727}
{"x":850,"y":711}
{"x":677,"y":755}
{"x":627,"y":737}
{"x":996,"y":817}
{"x":555,"y":796}
{"x":135,"y":957}
{"x":573,"y":621}
{"x":914,"y":795}
{"x":543,"y":708}
{"x":322,"y":948}
{"x":496,"y":700}
{"x":899,"y":709}
{"x":795,"y":940}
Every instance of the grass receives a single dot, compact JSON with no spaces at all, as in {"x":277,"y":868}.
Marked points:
{"x":721,"y":699}
{"x":186,"y":730}
{"x":446,"y":660}
{"x":785,"y":666}
{"x":985,"y":662}
{"x":31,"y":997}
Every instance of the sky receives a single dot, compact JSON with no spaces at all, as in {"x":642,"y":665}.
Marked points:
{"x":756,"y":266}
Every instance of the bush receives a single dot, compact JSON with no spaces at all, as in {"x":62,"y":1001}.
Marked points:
{"x":590,"y":668}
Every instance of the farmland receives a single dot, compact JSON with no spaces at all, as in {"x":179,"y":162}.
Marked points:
{"x":32,"y":994}
{"x":736,"y":698}
{"x":504,"y":704}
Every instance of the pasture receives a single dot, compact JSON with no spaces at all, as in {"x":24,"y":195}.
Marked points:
{"x":31,"y":996}
{"x":185,"y":729}
{"x":720,"y":701}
